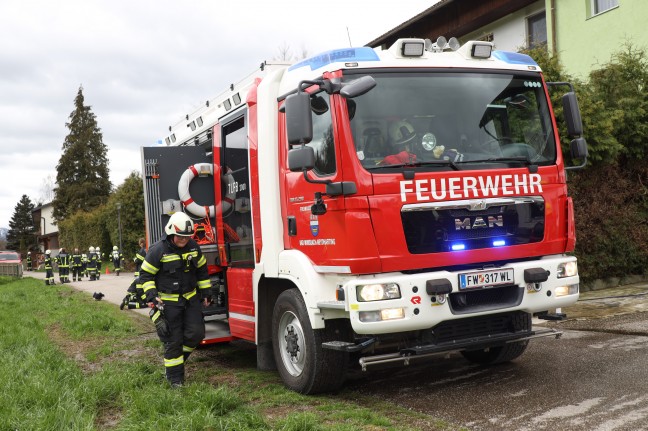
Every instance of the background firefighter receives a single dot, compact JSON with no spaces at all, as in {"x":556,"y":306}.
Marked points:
{"x":135,"y":297}
{"x":63,"y":260}
{"x":174,"y":275}
{"x":92,"y":263}
{"x":76,"y":265}
{"x":49,"y":272}
{"x":116,"y":258}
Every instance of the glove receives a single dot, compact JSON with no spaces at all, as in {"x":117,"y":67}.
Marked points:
{"x":151,"y":295}
{"x":161,"y":325}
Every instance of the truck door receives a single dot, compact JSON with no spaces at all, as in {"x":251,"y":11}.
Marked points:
{"x":236,"y":218}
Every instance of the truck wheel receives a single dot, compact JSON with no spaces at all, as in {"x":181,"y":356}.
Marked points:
{"x":302,"y":363}
{"x":505,"y":353}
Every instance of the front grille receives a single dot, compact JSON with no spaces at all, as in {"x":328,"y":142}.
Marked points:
{"x":438,"y":229}
{"x":494,"y":324}
{"x":486,"y":299}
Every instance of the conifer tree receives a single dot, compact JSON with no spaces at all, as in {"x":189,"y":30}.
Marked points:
{"x":21,"y":234}
{"x":82,"y":181}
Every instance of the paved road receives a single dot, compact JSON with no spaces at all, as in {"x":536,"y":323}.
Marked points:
{"x":112,"y":286}
{"x":594,"y":378}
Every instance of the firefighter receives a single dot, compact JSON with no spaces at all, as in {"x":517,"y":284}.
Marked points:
{"x":76,"y":265}
{"x":404,"y":140}
{"x":29,"y":261}
{"x":84,"y":265}
{"x":172,"y":270}
{"x":116,"y":258}
{"x":99,"y":260}
{"x":92,"y":263}
{"x":49,"y":274}
{"x":63,"y":261}
{"x":135,"y":295}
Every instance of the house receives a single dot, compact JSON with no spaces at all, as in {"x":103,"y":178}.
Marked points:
{"x":584,"y":33}
{"x":47,"y":236}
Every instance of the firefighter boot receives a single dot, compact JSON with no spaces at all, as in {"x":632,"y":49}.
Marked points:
{"x":175,"y":375}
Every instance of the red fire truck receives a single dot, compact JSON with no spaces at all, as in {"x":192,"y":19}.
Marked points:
{"x":377,"y":206}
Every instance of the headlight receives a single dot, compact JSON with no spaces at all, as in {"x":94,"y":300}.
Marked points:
{"x":567,"y":269}
{"x":378,"y":292}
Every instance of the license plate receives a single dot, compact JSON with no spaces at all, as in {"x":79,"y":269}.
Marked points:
{"x":480,"y":279}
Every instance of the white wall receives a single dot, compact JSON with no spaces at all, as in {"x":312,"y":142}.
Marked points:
{"x":509,"y":33}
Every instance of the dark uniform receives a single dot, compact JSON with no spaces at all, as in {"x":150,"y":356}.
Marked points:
{"x":135,"y":297}
{"x":49,"y":273}
{"x":99,"y":261}
{"x":29,"y":262}
{"x":92,"y":265}
{"x":76,"y":265}
{"x":172,"y":274}
{"x":63,"y":260}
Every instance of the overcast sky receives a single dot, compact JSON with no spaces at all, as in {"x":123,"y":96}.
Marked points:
{"x":143,"y":65}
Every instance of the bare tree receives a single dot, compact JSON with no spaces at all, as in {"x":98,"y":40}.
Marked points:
{"x":284,"y":53}
{"x":47,"y":190}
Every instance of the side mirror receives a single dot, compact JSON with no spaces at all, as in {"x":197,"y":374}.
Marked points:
{"x":299,"y":123}
{"x":357,"y":87}
{"x":579,"y":148}
{"x":301,"y":159}
{"x":572,"y":115}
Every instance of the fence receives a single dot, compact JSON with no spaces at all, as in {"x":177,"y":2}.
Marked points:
{"x":11,"y":269}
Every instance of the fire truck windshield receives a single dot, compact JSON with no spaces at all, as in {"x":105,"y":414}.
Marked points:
{"x":465,"y":117}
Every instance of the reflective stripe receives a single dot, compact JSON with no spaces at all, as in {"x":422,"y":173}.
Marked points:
{"x":169,"y":258}
{"x":188,"y":349}
{"x":174,"y":362}
{"x":149,"y":268}
{"x":148,"y":285}
{"x":204,"y":284}
{"x":202,"y":261}
{"x":156,"y":315}
{"x":176,"y":297}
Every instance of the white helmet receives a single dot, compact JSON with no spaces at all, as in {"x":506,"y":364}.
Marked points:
{"x":47,"y":251}
{"x":29,"y":252}
{"x":97,"y":249}
{"x":115,"y":247}
{"x":91,"y":249}
{"x":179,"y":224}
{"x":401,"y":132}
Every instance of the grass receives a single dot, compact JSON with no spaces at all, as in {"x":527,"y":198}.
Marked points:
{"x":69,"y":362}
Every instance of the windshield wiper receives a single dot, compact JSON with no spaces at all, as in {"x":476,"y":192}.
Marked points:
{"x":419,"y":164}
{"x":533,"y":167}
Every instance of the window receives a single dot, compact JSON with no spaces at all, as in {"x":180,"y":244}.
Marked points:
{"x":322,"y":142}
{"x":600,"y":6}
{"x":537,"y":30}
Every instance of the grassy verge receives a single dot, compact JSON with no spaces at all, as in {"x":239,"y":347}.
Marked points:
{"x":69,"y":362}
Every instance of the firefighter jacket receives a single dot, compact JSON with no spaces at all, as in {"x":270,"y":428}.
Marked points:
{"x":173,"y":273}
{"x":48,"y":262}
{"x":63,"y":260}
{"x":29,"y":261}
{"x":76,"y":260}
{"x":139,"y":259}
{"x":92,"y":260}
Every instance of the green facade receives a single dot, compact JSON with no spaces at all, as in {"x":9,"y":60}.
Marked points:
{"x":585,"y":41}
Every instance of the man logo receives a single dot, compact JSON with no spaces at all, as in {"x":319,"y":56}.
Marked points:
{"x":479,"y":222}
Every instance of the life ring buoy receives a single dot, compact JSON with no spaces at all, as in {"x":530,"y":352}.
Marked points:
{"x":185,"y":197}
{"x":183,"y":189}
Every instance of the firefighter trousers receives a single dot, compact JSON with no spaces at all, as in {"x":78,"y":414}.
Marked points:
{"x":187,"y":330}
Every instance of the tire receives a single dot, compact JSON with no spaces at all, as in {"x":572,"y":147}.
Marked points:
{"x":505,"y":353}
{"x":303,"y":365}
